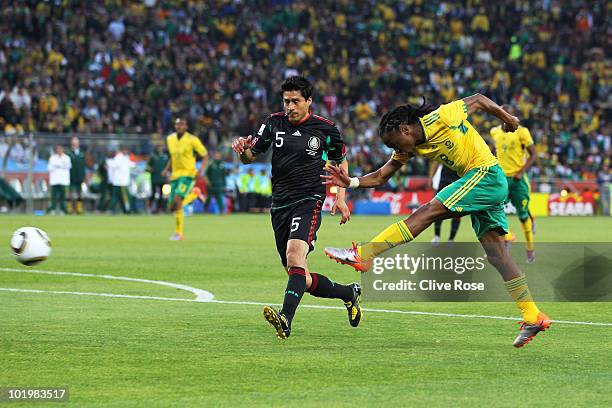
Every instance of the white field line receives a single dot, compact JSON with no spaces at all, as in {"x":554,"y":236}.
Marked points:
{"x":113,"y":295}
{"x":203,"y":296}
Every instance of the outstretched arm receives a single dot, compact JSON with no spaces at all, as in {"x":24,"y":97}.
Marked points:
{"x":481,"y":102}
{"x":339,"y":177}
{"x":343,"y":166}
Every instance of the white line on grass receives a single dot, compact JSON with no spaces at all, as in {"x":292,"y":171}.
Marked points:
{"x":203,"y":296}
{"x":113,"y":295}
{"x":408,"y":312}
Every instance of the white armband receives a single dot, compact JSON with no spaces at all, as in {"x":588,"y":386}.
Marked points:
{"x":354,"y":182}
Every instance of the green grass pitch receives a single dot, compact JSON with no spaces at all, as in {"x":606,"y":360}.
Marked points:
{"x":122,"y":352}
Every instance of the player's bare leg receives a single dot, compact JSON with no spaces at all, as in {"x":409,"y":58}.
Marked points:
{"x":360,"y":256}
{"x":534,"y":321}
{"x":492,"y":241}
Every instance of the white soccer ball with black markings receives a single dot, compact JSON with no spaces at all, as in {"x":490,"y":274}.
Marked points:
{"x":30,"y":245}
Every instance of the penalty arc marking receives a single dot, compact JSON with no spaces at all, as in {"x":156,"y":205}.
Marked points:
{"x":203,"y":296}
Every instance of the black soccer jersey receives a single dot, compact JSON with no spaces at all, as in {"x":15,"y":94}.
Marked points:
{"x":299,"y":153}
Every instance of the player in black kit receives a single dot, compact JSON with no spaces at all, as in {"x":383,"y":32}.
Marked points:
{"x":447,"y":176}
{"x":301,"y":145}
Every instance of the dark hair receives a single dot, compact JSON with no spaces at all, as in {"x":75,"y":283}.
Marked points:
{"x":297,"y":83}
{"x":404,"y":115}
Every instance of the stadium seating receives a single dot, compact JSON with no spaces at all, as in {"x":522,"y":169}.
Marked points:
{"x":220,"y":66}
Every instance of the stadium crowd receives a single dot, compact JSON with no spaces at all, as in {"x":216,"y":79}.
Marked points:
{"x":121,"y":66}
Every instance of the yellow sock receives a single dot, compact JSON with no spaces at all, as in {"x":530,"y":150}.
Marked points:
{"x":392,"y":236}
{"x":519,"y":291}
{"x":179,"y":218}
{"x":189,"y":198}
{"x":528,"y":231}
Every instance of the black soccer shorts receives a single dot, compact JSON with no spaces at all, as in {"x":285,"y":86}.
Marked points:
{"x":299,"y":221}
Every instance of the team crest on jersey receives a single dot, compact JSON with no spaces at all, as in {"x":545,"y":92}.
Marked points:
{"x":313,"y":145}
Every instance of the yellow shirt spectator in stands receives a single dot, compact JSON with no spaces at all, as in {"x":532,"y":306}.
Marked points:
{"x":456,"y":27}
{"x":263,"y":45}
{"x":182,"y":154}
{"x":340,"y":20}
{"x":448,"y":90}
{"x":290,"y":59}
{"x":308,"y":48}
{"x":500,"y":77}
{"x":137,"y":9}
{"x":48,"y":104}
{"x":227,"y":28}
{"x":43,"y":9}
{"x":511,"y":148}
{"x":387,"y":12}
{"x":344,"y":73}
{"x":480,"y":21}
{"x":55,"y":59}
{"x":451,"y":140}
{"x":363,"y":111}
{"x":10,"y":130}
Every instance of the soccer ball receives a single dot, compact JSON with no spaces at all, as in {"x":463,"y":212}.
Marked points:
{"x":30,"y":245}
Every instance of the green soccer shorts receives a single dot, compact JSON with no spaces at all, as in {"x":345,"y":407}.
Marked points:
{"x":482,"y":192}
{"x":180,"y":187}
{"x":519,"y":191}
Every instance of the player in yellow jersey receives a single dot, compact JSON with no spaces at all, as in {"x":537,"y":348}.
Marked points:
{"x":444,"y":134}
{"x":511,"y":148}
{"x":182,"y":149}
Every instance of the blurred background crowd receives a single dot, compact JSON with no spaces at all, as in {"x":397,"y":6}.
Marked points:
{"x":130,"y":67}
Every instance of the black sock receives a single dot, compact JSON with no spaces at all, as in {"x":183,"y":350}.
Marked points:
{"x":295,"y":289}
{"x":454,"y":228}
{"x":437,"y":228}
{"x":323,"y":287}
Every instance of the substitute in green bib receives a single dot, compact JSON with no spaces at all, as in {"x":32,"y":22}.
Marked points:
{"x":216,"y":174}
{"x":77,"y":176}
{"x":155,"y":166}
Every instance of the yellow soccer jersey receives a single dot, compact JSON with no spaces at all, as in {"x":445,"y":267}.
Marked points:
{"x":182,"y":154}
{"x":511,"y":148}
{"x":451,"y":140}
